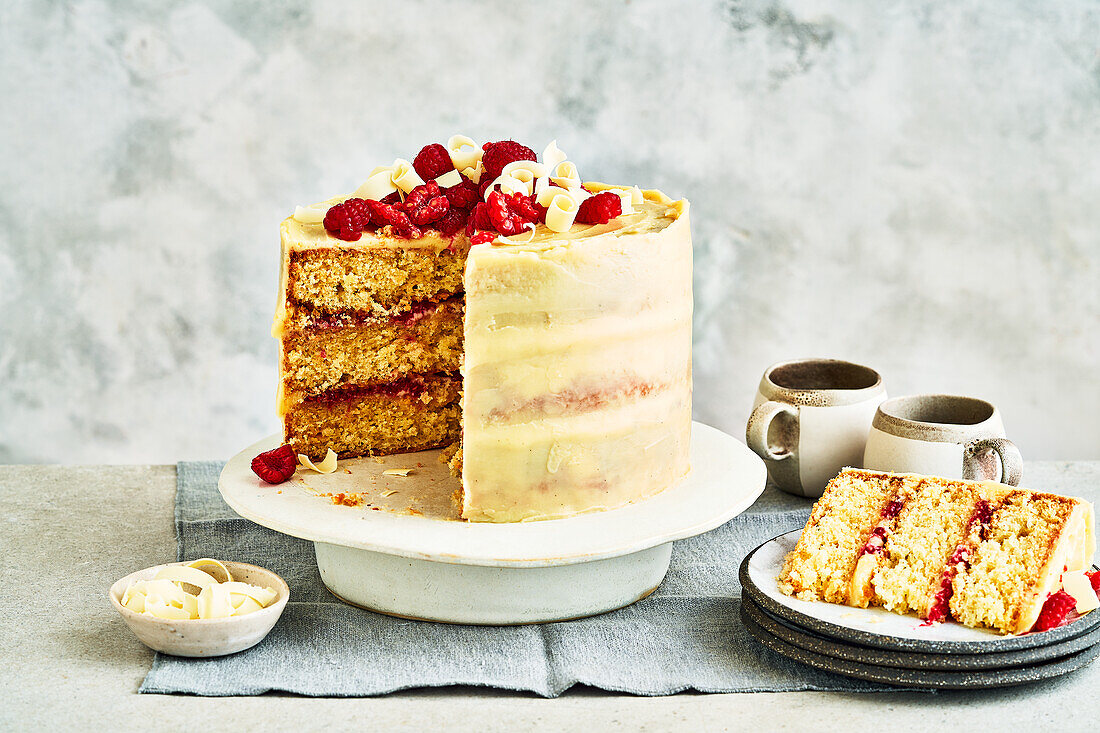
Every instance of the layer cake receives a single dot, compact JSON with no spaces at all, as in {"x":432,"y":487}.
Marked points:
{"x":984,"y":554}
{"x":537,"y":327}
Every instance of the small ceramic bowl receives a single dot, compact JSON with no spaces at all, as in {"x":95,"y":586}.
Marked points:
{"x":211,"y":637}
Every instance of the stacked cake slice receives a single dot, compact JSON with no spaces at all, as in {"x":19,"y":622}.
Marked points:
{"x":371,"y":341}
{"x":982,"y":553}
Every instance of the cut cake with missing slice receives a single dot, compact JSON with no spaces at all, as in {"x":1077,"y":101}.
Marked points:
{"x":985,"y":554}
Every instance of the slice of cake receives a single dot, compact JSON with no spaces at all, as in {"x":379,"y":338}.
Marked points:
{"x":483,"y":299}
{"x":985,"y":554}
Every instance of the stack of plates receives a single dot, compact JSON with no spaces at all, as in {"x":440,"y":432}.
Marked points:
{"x":902,"y":651}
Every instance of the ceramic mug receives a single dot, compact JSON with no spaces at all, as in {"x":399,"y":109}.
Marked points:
{"x":942,"y":435}
{"x":810,"y":419}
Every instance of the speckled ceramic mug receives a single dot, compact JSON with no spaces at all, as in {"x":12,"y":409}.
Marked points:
{"x":942,"y":435}
{"x":810,"y":419}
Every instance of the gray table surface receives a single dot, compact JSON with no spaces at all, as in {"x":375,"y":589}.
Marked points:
{"x":69,"y":532}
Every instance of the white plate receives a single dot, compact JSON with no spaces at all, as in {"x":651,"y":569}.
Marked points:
{"x":725,"y":479}
{"x":404,"y":553}
{"x":876,"y":626}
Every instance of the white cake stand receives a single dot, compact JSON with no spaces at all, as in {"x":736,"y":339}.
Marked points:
{"x":403,"y":552}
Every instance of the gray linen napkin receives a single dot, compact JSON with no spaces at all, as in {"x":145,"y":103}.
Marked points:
{"x":687,"y":635}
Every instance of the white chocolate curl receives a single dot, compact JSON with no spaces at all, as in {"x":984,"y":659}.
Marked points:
{"x":565,"y":174}
{"x":636,"y":195}
{"x":448,"y":179}
{"x":314,"y":214}
{"x":474,"y":172}
{"x":549,"y":193}
{"x":464,"y":152}
{"x":525,"y":170}
{"x":326,"y":466}
{"x":552,"y":156}
{"x":404,"y":176}
{"x":378,"y":186}
{"x":561,"y":211}
{"x":508,"y":186}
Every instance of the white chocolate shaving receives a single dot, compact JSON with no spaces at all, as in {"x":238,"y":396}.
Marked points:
{"x":396,"y":472}
{"x":464,"y":152}
{"x":379,"y":185}
{"x":474,"y":172}
{"x":636,"y":196}
{"x":326,"y":466}
{"x":561,"y":211}
{"x":216,"y":563}
{"x":167,"y":596}
{"x":1077,"y":584}
{"x":448,"y":179}
{"x":314,"y":214}
{"x":525,"y":170}
{"x":549,"y":193}
{"x":404,"y":176}
{"x":552,"y":156}
{"x":565,"y":174}
{"x":508,"y":186}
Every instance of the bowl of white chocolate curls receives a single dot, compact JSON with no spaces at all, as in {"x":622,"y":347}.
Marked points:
{"x":201,"y":608}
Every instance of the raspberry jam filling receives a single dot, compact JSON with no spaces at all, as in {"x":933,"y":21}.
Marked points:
{"x":876,"y":543}
{"x":420,"y":310}
{"x":959,"y":560}
{"x":412,"y":386}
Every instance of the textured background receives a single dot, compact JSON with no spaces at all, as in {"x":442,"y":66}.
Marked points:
{"x":911,"y":185}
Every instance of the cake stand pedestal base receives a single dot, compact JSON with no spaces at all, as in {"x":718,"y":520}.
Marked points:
{"x":477,"y":594}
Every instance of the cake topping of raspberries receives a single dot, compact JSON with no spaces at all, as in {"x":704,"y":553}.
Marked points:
{"x":511,"y":214}
{"x":483,"y":238}
{"x":348,"y":220}
{"x":1054,"y":611}
{"x":452,"y":222}
{"x":383,"y":215}
{"x":426,"y":204}
{"x":462,"y":195}
{"x":432,"y":161}
{"x":276,"y":466}
{"x":599,"y":209}
{"x":499,"y":154}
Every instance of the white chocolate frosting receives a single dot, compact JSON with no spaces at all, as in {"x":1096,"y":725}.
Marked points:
{"x":577,"y":393}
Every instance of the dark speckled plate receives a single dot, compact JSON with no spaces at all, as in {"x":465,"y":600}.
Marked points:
{"x":922,"y":678}
{"x":913,"y":660}
{"x":875,"y":627}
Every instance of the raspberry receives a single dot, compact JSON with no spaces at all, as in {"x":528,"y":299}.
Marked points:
{"x":462,"y":195}
{"x":479,"y":219}
{"x":348,"y":220}
{"x":599,"y":209}
{"x":275,"y":466}
{"x":426,"y":204}
{"x":432,"y":161}
{"x":482,"y":187}
{"x":499,"y":154}
{"x":1094,"y":578}
{"x":393,"y":197}
{"x":452,"y":222}
{"x":483,"y":238}
{"x":1054,"y":611}
{"x":388,"y":215}
{"x":511,"y":214}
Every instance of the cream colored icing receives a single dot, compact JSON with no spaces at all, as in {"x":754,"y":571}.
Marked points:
{"x":1074,"y":551}
{"x":573,"y":314}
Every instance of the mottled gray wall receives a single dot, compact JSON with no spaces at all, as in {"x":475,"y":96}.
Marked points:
{"x":913,"y":185}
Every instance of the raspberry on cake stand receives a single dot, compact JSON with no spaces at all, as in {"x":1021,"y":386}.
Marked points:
{"x":394,"y":544}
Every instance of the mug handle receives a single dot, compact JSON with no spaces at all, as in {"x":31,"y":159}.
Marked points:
{"x":760,"y":422}
{"x":1012,"y":463}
